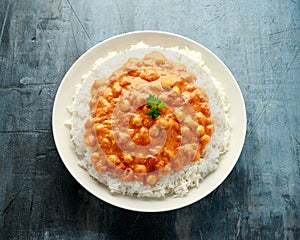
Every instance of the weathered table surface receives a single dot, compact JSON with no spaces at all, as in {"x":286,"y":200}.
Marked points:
{"x":258,"y":40}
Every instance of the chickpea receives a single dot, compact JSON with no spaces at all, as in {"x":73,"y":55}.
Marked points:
{"x":190,"y":87}
{"x":113,"y":159}
{"x":124,"y":106}
{"x":179,"y":138}
{"x":125,"y":81}
{"x":167,"y":82}
{"x":180,"y":116}
{"x":100,"y":129}
{"x":97,"y":120}
{"x":188,"y":119}
{"x":151,"y":179}
{"x":127,"y":158}
{"x":190,"y":122}
{"x":137,"y":121}
{"x":143,"y":132}
{"x":209,"y":121}
{"x":174,"y":100}
{"x":189,"y":151}
{"x":140,"y":168}
{"x":200,"y":130}
{"x":89,"y":123}
{"x":163,"y":123}
{"x":89,"y":140}
{"x":131,"y":131}
{"x":154,"y":131}
{"x":160,"y":164}
{"x":210,"y":129}
{"x":92,"y":103}
{"x":134,"y":73}
{"x":201,"y":95}
{"x":95,"y":157}
{"x":176,"y":89}
{"x":166,"y":170}
{"x":147,"y":122}
{"x":99,"y":167}
{"x":140,"y":138}
{"x":160,"y":60}
{"x":139,"y":100}
{"x":169,"y":154}
{"x":197,"y":157}
{"x":148,"y":62}
{"x":205,"y":139}
{"x":110,"y":136}
{"x":102,"y":111}
{"x":121,"y":165}
{"x":108,"y":94}
{"x":185,"y":131}
{"x":201,"y":118}
{"x":205,"y":109}
{"x":105,"y":142}
{"x":133,"y":61}
{"x":150,"y":75}
{"x":116,"y":89}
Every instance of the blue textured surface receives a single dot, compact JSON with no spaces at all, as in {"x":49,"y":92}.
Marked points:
{"x":258,"y":40}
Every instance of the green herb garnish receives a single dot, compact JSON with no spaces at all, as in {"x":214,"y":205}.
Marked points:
{"x":154,"y":104}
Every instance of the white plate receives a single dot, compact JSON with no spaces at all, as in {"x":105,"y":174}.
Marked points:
{"x":152,"y":38}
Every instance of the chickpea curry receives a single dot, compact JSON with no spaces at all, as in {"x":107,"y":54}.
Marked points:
{"x":147,"y":120}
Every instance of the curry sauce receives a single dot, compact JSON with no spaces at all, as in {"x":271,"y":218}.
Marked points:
{"x":131,"y":144}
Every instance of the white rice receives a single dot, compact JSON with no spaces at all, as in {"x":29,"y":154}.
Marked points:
{"x":179,"y":182}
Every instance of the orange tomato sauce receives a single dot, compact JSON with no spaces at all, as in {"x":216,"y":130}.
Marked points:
{"x":108,"y":143}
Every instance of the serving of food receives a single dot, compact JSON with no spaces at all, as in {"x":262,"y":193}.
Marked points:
{"x":148,"y":122}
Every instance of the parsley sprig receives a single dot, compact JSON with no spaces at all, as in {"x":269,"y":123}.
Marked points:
{"x":154,"y":104}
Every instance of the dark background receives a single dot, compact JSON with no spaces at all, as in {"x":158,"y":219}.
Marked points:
{"x":259,"y":42}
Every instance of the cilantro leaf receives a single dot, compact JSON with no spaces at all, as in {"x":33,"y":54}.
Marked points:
{"x":154,"y":103}
{"x":153,"y":113}
{"x":161,"y":105}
